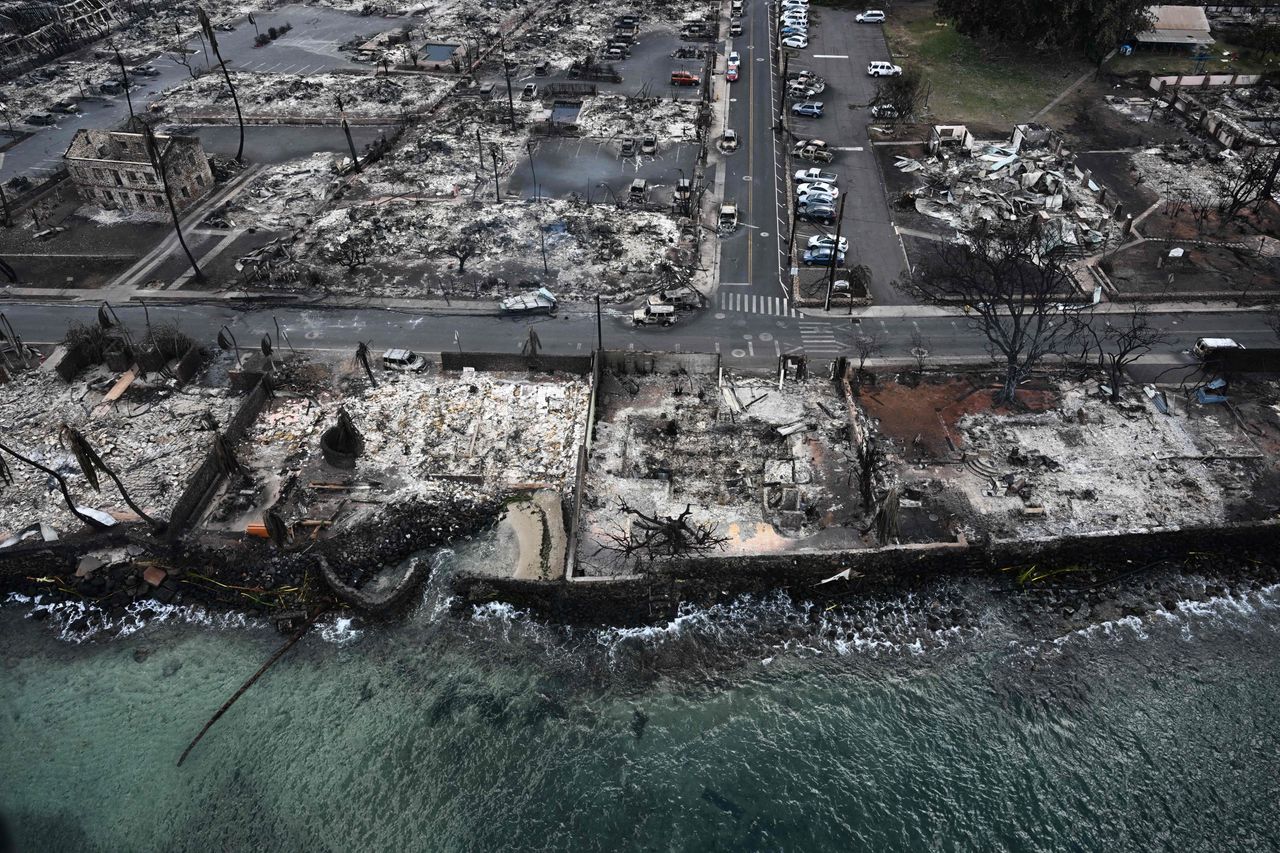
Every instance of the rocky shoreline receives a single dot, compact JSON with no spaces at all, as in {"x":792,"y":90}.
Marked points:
{"x":118,"y":568}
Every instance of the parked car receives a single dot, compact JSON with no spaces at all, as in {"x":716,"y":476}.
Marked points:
{"x":821,"y":256}
{"x":801,"y":93}
{"x":800,"y":18}
{"x":40,"y":119}
{"x":731,"y":75}
{"x":824,"y":214}
{"x":649,"y":145}
{"x":684,"y":78}
{"x":801,"y":144}
{"x":826,"y":241}
{"x":816,"y":200}
{"x":110,"y":87}
{"x":814,"y":154}
{"x":733,"y":60}
{"x":817,"y":175}
{"x":403,"y":359}
{"x":883,"y":69}
{"x":64,"y":107}
{"x":652,"y":314}
{"x":871,"y":16}
{"x":807,"y":109}
{"x":628,"y":147}
{"x":682,"y":296}
{"x":794,"y":4}
{"x":728,"y":218}
{"x":884,"y":111}
{"x":794,"y":31}
{"x":639,"y":190}
{"x":735,"y":29}
{"x":729,"y":141}
{"x":144,"y":71}
{"x":795,"y":42}
{"x":806,"y":190}
{"x":530,"y":92}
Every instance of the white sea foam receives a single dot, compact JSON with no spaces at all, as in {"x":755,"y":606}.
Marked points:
{"x":79,"y":622}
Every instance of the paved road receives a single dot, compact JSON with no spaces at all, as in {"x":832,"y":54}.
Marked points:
{"x":750,"y":261}
{"x":839,"y":50}
{"x":743,"y":339}
{"x":310,"y":48}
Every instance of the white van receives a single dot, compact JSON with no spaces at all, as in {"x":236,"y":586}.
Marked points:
{"x":1206,"y":347}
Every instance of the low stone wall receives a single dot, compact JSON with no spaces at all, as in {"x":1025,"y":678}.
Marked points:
{"x":633,"y":363}
{"x":204,"y":482}
{"x":494,"y":361}
{"x":658,"y":594}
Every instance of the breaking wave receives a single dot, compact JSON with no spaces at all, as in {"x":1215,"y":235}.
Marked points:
{"x":81,"y":622}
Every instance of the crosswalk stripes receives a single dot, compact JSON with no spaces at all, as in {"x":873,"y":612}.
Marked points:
{"x":819,"y":338}
{"x":753,"y":303}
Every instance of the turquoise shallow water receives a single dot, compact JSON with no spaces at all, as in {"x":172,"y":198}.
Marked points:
{"x":741,"y":728}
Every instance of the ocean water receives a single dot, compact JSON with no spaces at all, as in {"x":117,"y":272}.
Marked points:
{"x":758,"y":725}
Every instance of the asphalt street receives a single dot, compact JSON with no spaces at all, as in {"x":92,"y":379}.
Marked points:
{"x":311,"y":47}
{"x":743,"y":339}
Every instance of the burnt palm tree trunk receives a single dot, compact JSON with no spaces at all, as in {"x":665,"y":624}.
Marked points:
{"x":157,"y":160}
{"x":62,"y":486}
{"x":226,"y":75}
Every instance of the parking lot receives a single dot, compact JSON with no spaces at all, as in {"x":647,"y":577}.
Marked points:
{"x":838,"y":51}
{"x":594,"y":166}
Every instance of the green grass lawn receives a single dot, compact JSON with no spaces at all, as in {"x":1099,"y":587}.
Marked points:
{"x":974,"y":83}
{"x":1224,"y":58}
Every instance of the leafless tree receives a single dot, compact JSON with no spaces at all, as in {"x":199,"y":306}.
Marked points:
{"x":212,"y":38}
{"x":1010,"y":284}
{"x":91,"y":463}
{"x":184,"y":59}
{"x":460,"y":250}
{"x":1125,"y":342}
{"x":865,"y":347}
{"x":1245,"y":182}
{"x":919,"y":351}
{"x":906,"y":93}
{"x":653,"y":535}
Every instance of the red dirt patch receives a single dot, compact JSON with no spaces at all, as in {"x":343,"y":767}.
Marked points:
{"x":930,"y":410}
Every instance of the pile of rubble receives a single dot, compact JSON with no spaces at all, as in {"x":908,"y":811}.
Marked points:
{"x":401,"y":247}
{"x":992,"y":182}
{"x":289,"y":95}
{"x":1186,"y":172}
{"x":1090,"y":466}
{"x":616,"y":116}
{"x":453,"y":154}
{"x":762,"y":465}
{"x":153,"y":436}
{"x":283,"y":196}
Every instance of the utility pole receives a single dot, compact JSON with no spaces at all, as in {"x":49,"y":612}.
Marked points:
{"x":506,"y":72}
{"x":782,"y":92}
{"x":4,"y":200}
{"x":496,"y":192}
{"x":835,"y":253}
{"x":599,"y":326}
{"x":542,"y":236}
{"x":529,"y":146}
{"x":480,"y":149}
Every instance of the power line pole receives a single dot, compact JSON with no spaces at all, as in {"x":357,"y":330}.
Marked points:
{"x":835,"y":253}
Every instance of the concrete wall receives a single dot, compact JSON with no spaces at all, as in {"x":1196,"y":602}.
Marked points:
{"x":658,"y":593}
{"x":491,"y":361}
{"x":205,"y":481}
{"x":1161,"y":83}
{"x":633,"y":363}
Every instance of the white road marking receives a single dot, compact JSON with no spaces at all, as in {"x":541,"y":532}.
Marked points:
{"x":831,"y":56}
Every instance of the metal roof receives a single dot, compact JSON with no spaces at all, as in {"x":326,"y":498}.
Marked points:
{"x":1177,"y":25}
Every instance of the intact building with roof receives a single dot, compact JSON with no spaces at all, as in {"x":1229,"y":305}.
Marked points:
{"x":112,"y":169}
{"x":1177,"y":25}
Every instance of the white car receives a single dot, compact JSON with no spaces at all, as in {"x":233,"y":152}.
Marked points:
{"x":802,"y":14}
{"x":871,"y":16}
{"x":809,"y":175}
{"x":824,"y":241}
{"x":795,"y":4}
{"x":883,"y":69}
{"x":734,"y":59}
{"x":796,"y":42}
{"x":805,"y":190}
